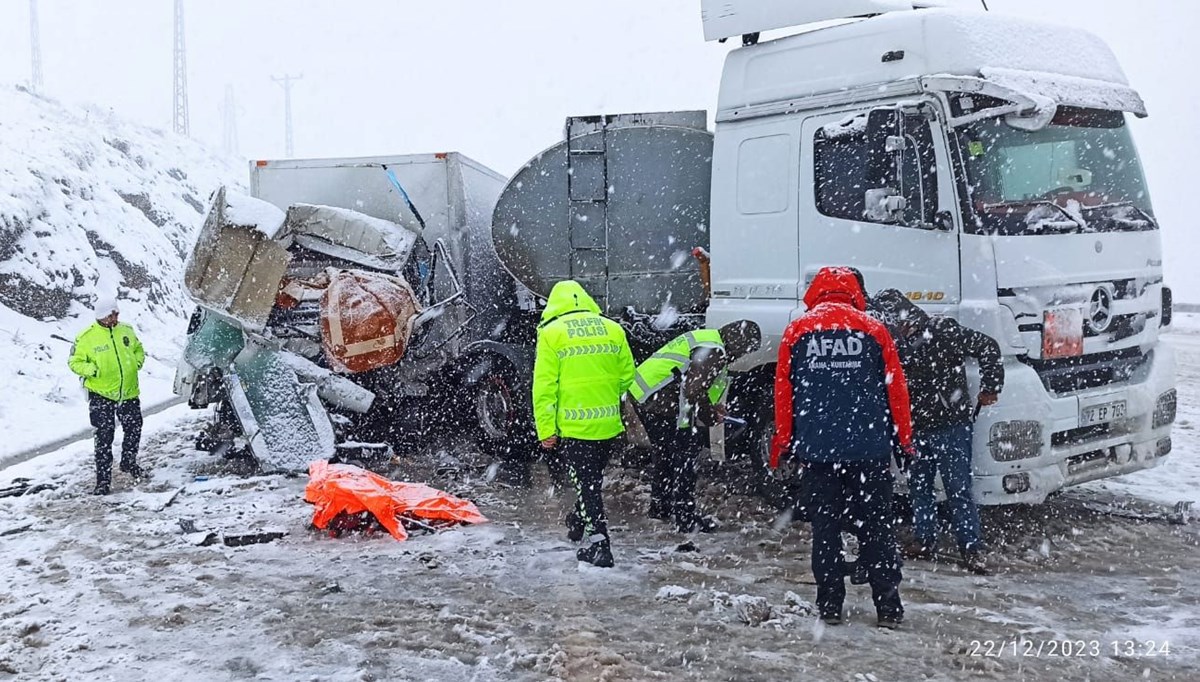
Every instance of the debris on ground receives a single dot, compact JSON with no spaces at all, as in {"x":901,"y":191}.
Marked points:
{"x":24,"y":486}
{"x":204,"y":538}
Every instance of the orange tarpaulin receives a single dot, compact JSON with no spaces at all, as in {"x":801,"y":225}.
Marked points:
{"x":338,"y":488}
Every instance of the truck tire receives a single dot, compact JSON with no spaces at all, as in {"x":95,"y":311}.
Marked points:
{"x":502,"y":415}
{"x":759,"y":400}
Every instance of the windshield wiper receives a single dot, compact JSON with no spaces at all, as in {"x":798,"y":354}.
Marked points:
{"x":1032,"y":203}
{"x":1125,"y":204}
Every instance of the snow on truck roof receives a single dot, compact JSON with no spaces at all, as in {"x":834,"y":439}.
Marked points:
{"x":1066,"y":64}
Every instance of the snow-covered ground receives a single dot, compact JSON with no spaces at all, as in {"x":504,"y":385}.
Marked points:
{"x":111,"y":588}
{"x":1179,"y":478}
{"x":89,"y":202}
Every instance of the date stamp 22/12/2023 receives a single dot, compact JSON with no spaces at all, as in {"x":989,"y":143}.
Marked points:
{"x":1068,"y":648}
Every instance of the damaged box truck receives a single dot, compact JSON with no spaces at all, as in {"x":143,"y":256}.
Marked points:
{"x":337,"y":300}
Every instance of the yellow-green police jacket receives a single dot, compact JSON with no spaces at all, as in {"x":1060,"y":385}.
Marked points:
{"x":108,"y":360}
{"x":583,"y":366}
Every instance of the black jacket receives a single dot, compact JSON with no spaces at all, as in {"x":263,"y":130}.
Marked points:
{"x":934,"y":360}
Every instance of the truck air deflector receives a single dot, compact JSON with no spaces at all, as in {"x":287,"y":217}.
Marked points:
{"x":1028,"y":92}
{"x":727,"y":18}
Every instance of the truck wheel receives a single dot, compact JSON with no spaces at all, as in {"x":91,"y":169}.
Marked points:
{"x":502,"y":423}
{"x":779,"y":494}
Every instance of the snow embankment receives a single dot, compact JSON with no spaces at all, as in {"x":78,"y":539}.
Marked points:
{"x":89,"y":202}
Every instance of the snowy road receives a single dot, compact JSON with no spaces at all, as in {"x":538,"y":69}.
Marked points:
{"x":111,"y":589}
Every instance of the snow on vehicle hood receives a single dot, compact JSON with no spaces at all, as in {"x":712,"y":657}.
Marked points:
{"x":354,"y":236}
{"x":246,"y":211}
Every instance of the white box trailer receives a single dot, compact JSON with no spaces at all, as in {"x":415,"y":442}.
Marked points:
{"x":982,"y":165}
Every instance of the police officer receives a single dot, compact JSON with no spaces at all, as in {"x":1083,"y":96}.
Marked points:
{"x":582,"y":368}
{"x":841,"y":405}
{"x":108,"y":356}
{"x":677,"y":390}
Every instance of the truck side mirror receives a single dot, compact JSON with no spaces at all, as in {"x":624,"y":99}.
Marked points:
{"x":885,"y":139}
{"x":885,"y":143}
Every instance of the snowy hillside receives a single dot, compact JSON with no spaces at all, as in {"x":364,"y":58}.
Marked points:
{"x":89,"y":202}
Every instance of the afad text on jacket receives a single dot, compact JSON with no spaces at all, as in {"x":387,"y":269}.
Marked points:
{"x":840,"y":392}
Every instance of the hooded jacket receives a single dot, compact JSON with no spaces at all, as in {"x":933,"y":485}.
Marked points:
{"x":108,"y":359}
{"x":583,"y":366}
{"x":934,"y":359}
{"x":840,"y":393}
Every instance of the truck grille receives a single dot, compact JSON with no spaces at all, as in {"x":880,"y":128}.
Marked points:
{"x":1071,"y":375}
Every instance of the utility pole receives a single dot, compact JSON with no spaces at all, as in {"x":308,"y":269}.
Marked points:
{"x":229,"y":113}
{"x":35,"y":46}
{"x":286,"y":83}
{"x":181,"y":95}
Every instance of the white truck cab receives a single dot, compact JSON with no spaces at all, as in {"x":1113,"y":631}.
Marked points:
{"x":983,"y":165}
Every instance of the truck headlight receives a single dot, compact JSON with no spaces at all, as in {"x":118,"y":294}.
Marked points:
{"x":1164,"y":409}
{"x":1017,"y":439}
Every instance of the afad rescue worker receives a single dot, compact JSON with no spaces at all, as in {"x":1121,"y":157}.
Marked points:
{"x":679,"y":390}
{"x":934,"y":353}
{"x":583,"y":367}
{"x":108,"y":355}
{"x":841,"y":405}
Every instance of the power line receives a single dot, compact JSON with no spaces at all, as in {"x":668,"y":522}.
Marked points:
{"x":35,"y":46}
{"x":181,"y":95}
{"x":285,"y":82}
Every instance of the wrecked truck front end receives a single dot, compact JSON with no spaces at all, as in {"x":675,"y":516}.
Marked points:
{"x":293,"y":309}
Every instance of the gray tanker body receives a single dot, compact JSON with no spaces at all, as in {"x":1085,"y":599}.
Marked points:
{"x":618,"y":205}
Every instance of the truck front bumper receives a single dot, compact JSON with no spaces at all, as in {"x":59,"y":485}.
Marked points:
{"x":1072,"y":453}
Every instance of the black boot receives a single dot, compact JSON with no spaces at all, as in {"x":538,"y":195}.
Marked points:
{"x":134,"y":471}
{"x":102,"y":488}
{"x":598,"y":554}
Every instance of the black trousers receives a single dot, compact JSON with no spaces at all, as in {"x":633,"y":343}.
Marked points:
{"x":863,"y":489}
{"x":674,"y":452}
{"x":104,"y":414}
{"x":584,"y":461}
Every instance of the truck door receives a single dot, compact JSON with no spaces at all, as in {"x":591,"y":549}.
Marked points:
{"x":876,"y":194}
{"x":755,"y":236}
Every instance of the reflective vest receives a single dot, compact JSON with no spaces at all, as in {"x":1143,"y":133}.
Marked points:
{"x":582,"y":368}
{"x":108,"y":360}
{"x":673,"y":359}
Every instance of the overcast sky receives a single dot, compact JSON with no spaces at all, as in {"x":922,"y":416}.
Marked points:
{"x":496,"y":79}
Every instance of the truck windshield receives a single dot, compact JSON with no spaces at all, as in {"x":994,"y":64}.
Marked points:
{"x":1079,"y":174}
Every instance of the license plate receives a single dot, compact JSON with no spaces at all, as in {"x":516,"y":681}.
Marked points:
{"x":1099,"y":414}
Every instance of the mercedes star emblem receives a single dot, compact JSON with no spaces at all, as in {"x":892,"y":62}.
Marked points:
{"x":1100,"y":310}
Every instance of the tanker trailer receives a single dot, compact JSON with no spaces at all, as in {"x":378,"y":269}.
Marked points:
{"x":619,"y":205}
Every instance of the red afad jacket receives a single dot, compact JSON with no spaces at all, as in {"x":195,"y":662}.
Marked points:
{"x":840,"y":393}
